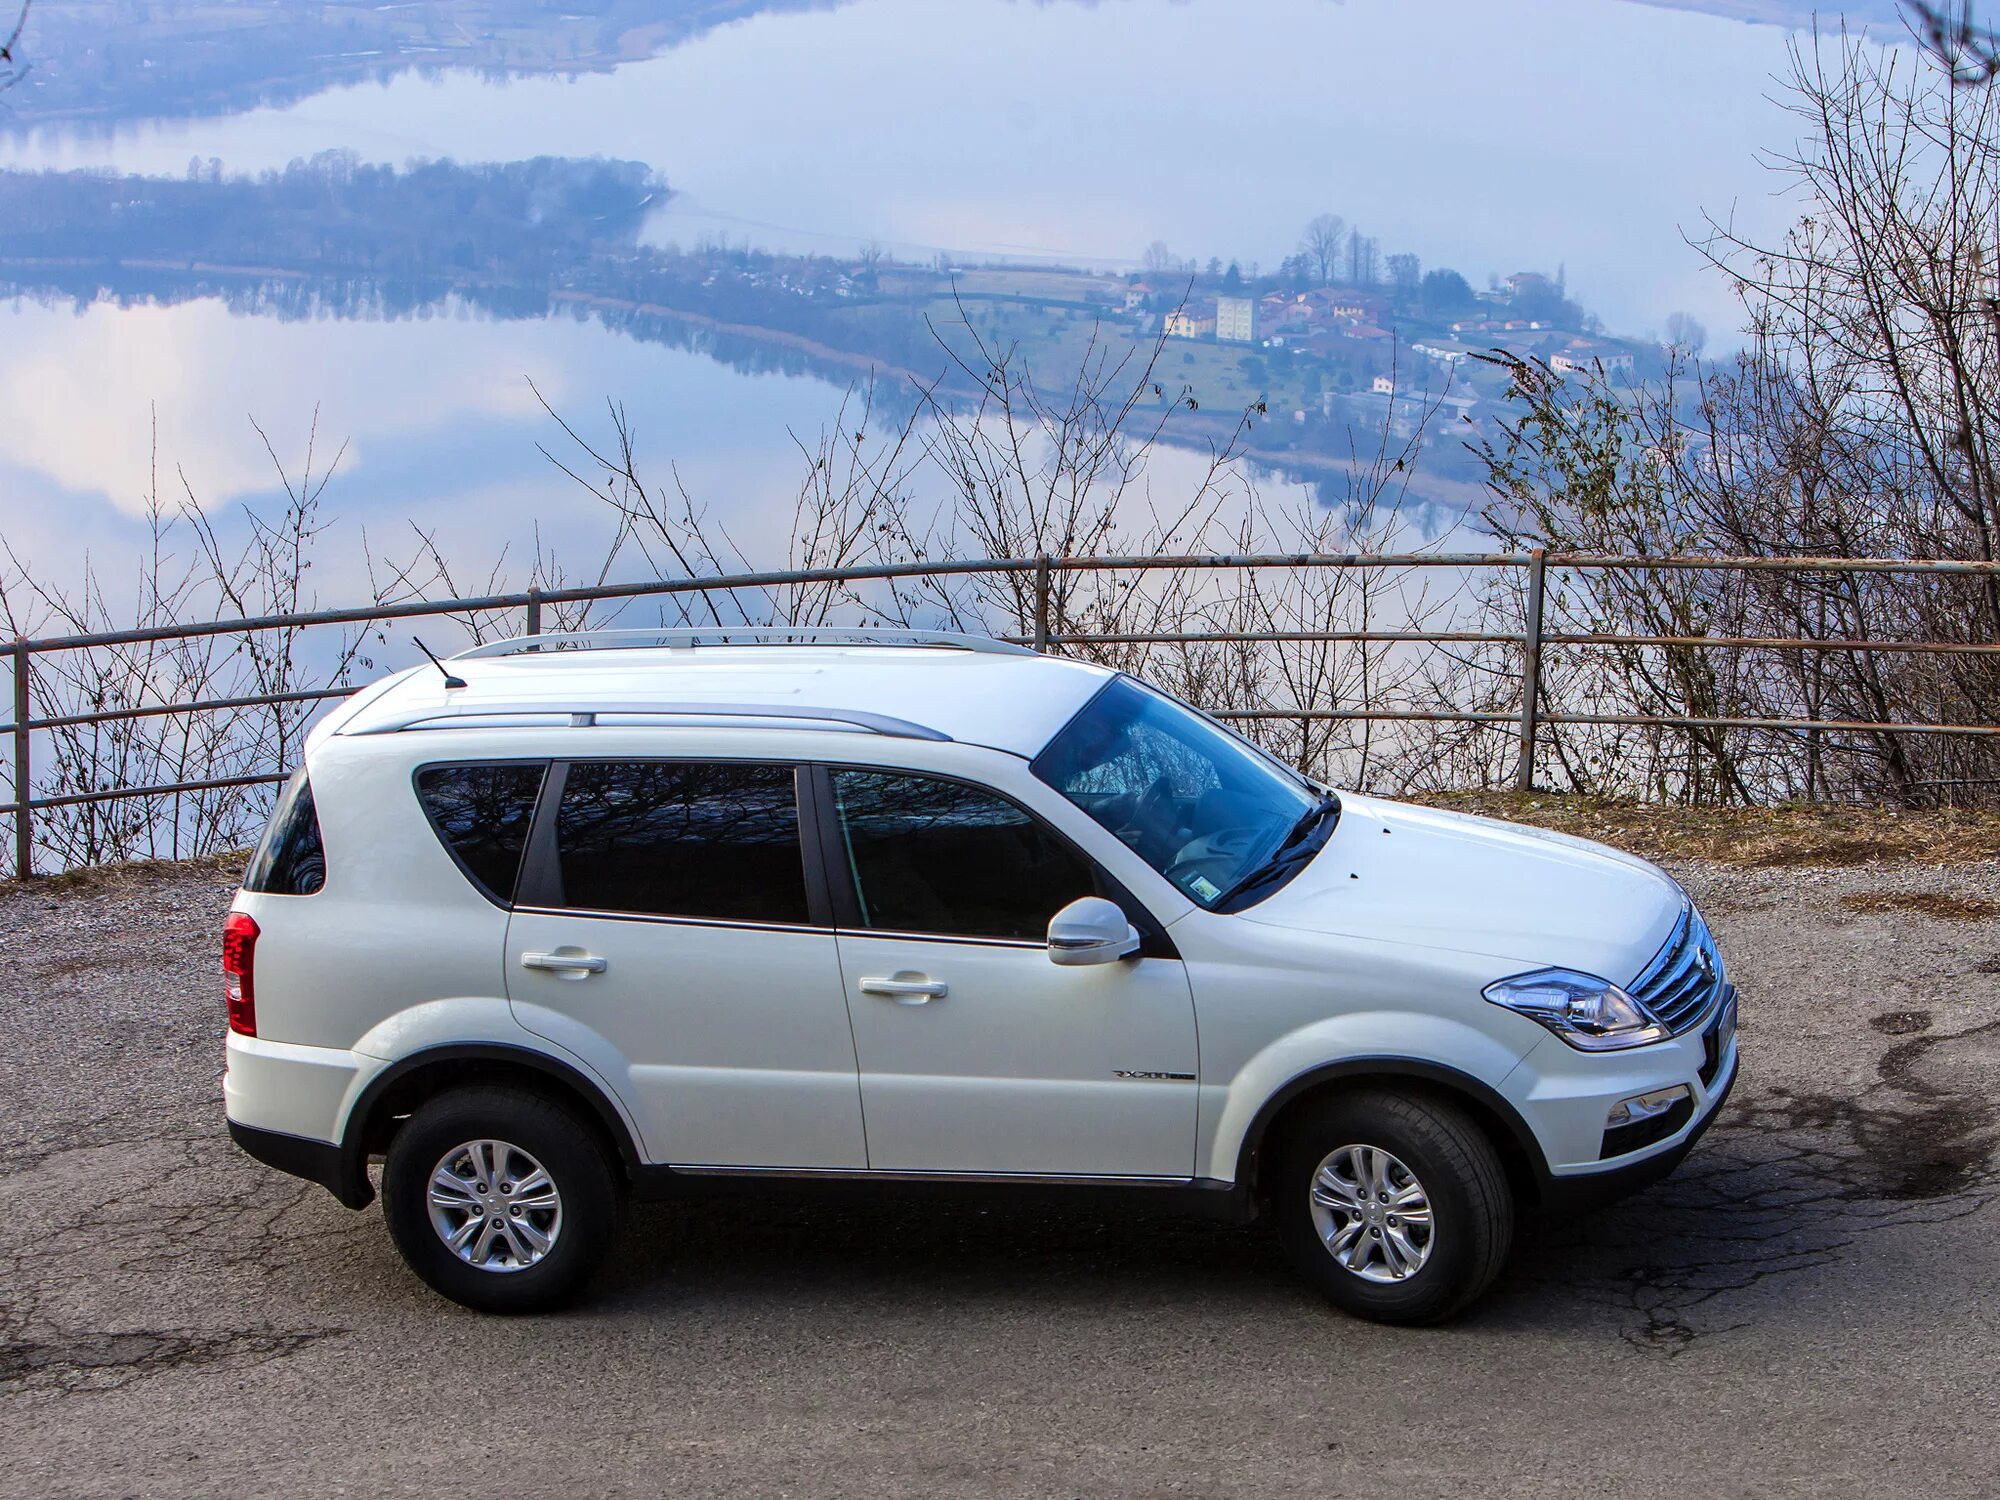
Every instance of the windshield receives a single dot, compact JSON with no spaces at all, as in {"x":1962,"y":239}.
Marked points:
{"x":1197,"y":803}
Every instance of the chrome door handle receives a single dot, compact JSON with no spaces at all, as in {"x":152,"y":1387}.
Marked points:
{"x":564,"y":963}
{"x":906,"y":991}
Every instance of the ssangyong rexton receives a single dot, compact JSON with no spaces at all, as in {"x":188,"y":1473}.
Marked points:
{"x":627,"y":912}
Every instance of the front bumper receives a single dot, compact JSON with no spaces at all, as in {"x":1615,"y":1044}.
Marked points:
{"x":1564,"y":1097}
{"x":1579,"y":1192}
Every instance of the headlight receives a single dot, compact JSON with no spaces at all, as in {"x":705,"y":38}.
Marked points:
{"x":1587,"y":1012}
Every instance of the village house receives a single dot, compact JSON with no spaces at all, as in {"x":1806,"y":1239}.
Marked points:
{"x":1443,"y":351}
{"x":1588,"y":354}
{"x":1194,"y":321}
{"x":1235,"y":320}
{"x":1498,"y":325}
{"x":1136,"y":296}
{"x":1277,"y":310}
{"x":1334,"y":302}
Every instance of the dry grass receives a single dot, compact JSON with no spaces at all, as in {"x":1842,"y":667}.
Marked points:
{"x":134,"y":874}
{"x":1758,"y":837}
{"x":1925,"y":903}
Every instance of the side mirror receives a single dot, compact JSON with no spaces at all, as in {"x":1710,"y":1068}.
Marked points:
{"x":1091,"y":930}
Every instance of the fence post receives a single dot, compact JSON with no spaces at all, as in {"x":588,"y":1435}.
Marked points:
{"x":24,"y":820}
{"x":534,"y":611}
{"x":1042,"y":602}
{"x":1531,"y":672}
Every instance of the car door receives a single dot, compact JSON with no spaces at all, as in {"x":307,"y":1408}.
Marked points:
{"x":977,"y":1053}
{"x":667,"y":928}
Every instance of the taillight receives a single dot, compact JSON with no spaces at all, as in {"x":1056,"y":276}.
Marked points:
{"x":239,"y":957}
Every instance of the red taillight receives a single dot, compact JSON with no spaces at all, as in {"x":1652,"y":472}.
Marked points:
{"x":239,"y":957}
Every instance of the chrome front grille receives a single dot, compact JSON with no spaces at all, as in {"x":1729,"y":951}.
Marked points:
{"x":1685,"y":978}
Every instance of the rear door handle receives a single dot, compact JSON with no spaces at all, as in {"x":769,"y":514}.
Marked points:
{"x":906,"y":991}
{"x":564,"y":963}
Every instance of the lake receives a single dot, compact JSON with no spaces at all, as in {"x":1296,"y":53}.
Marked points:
{"x":1486,"y":135}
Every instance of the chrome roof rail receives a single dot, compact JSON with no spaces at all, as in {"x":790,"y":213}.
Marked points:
{"x":437,"y":716}
{"x":684,"y":637}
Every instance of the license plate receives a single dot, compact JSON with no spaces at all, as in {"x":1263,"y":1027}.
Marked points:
{"x":1725,"y":1028}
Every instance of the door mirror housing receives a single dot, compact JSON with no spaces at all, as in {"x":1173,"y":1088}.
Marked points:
{"x":1091,"y":930}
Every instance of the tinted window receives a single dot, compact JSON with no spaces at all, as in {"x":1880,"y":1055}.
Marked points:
{"x":939,"y":856}
{"x":682,"y":840}
{"x":290,"y":860}
{"x":482,"y":813}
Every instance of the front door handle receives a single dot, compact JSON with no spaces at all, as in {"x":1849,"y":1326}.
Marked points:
{"x":907,"y":989}
{"x":564,"y":963}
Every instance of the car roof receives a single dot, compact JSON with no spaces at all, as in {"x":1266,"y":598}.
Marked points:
{"x":980,"y":693}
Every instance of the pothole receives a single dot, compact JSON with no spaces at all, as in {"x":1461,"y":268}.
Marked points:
{"x":1902,"y":1022}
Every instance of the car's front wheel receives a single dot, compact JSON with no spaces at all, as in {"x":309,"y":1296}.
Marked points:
{"x":500,"y":1199}
{"x":1394,"y":1204}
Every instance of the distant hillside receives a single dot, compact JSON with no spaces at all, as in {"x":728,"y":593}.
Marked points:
{"x":125,"y":59}
{"x":1881,"y":17}
{"x":526,"y":220}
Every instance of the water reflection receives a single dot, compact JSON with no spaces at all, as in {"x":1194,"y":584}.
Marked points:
{"x":112,"y":404}
{"x":1085,"y":132}
{"x":440,"y":424}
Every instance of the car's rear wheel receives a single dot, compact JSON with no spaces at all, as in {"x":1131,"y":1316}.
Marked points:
{"x":500,"y":1199}
{"x":1395,"y":1205}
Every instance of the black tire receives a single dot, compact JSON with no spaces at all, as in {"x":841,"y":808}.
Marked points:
{"x":567,"y":1150}
{"x":1472,"y":1209}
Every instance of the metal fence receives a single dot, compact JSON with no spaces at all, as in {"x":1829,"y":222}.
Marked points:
{"x":1533,"y":641}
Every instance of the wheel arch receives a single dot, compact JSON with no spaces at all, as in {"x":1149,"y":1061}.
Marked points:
{"x":406,"y":1084}
{"x":1520,"y":1154}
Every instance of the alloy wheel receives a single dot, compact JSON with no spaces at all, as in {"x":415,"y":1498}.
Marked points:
{"x":1372,"y":1214}
{"x":495,"y":1207}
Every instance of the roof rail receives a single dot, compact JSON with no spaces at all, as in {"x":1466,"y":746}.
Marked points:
{"x":683,"y":637}
{"x":883,"y":724}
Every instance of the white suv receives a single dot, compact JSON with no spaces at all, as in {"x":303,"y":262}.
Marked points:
{"x":580,"y":917}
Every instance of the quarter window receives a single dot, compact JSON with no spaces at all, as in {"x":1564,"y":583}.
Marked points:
{"x":681,"y":839}
{"x":290,"y":860}
{"x":929,"y":855}
{"x":482,"y":813}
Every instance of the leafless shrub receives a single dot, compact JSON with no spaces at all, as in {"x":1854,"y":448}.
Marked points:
{"x":12,"y":68}
{"x":1968,"y":51}
{"x":188,"y":575}
{"x":1856,"y":422}
{"x":992,"y":463}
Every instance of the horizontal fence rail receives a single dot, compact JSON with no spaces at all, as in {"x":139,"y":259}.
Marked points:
{"x":1039,"y":572}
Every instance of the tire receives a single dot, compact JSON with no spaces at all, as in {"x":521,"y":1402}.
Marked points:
{"x":518,"y":1273}
{"x":1458,"y":1176}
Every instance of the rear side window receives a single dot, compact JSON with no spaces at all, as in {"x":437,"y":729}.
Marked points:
{"x":482,"y":813}
{"x":680,"y":839}
{"x":290,"y":860}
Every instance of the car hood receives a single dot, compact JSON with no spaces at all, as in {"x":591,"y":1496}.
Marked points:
{"x":1401,"y":874}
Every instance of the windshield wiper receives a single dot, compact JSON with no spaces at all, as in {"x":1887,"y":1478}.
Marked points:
{"x":1294,"y":849}
{"x":1308,"y":821}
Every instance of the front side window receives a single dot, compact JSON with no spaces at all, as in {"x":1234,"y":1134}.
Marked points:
{"x":290,"y":859}
{"x":935,"y":856}
{"x":1199,"y":805}
{"x":483,"y":813}
{"x":682,"y":839}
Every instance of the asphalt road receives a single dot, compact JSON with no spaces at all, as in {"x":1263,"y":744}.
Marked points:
{"x":1811,"y":1307}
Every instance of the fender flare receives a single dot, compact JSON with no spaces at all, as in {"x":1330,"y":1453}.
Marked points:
{"x":353,"y":1187}
{"x":1452,"y":1080}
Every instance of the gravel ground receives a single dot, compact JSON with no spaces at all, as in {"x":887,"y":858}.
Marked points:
{"x":1807,"y":1308}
